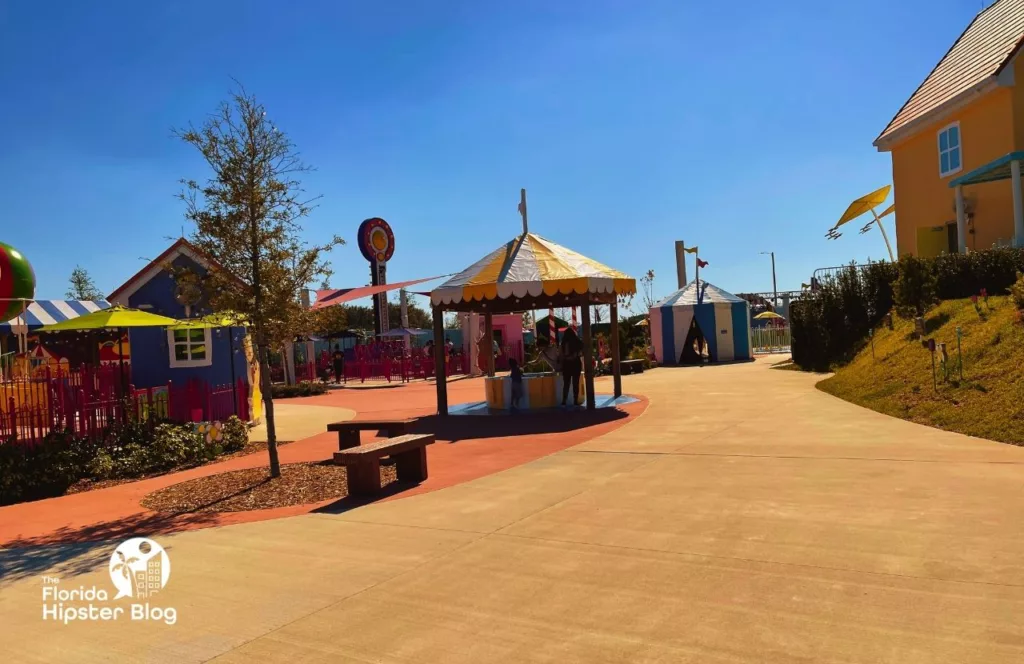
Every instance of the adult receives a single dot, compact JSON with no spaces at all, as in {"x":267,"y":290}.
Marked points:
{"x":572,"y":365}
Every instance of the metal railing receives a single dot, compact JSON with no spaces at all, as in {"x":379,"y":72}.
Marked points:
{"x":773,"y":339}
{"x":823,"y":273}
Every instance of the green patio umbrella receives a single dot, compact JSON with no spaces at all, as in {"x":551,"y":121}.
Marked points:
{"x":115,"y":318}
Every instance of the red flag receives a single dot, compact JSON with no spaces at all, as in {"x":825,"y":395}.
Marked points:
{"x":701,"y":263}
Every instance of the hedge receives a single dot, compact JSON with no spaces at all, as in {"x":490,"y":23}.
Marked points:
{"x":61,"y":459}
{"x":305,"y":388}
{"x":831,"y":325}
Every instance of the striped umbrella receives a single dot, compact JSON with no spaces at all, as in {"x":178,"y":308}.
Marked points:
{"x":47,"y":312}
{"x":529,"y":266}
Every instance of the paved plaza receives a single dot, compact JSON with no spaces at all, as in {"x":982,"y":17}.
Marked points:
{"x":743,"y":517}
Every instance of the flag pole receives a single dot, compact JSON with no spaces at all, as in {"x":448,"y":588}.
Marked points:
{"x":522,"y":210}
{"x":697,"y":277}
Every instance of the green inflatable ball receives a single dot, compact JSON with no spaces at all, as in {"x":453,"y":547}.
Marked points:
{"x":17,"y":282}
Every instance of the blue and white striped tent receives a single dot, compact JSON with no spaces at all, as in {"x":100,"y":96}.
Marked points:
{"x":48,"y":312}
{"x":723,"y":318}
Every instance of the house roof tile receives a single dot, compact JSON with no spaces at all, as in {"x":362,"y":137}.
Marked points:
{"x":985,"y":47}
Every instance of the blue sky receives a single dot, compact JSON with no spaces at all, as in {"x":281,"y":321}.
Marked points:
{"x":741,"y":127}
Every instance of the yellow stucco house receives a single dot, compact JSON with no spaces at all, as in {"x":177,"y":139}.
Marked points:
{"x":958,"y":143}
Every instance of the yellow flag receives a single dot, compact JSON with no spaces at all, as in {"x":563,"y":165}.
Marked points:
{"x":690,"y":250}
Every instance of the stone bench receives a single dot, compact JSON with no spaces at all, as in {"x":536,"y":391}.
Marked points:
{"x":409,"y":452}
{"x":348,"y":431}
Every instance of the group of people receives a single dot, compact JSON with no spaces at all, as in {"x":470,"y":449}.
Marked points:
{"x":567,"y":358}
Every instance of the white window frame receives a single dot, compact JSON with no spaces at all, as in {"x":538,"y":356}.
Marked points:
{"x":959,"y":148}
{"x":185,"y":364}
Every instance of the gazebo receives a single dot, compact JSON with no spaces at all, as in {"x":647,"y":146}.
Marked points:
{"x":527,"y":273}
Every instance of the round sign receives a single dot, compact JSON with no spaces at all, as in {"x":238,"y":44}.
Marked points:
{"x":17,"y":282}
{"x":376,"y":241}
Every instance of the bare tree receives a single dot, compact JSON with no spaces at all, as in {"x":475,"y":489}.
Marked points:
{"x":247,"y":217}
{"x":81,"y":286}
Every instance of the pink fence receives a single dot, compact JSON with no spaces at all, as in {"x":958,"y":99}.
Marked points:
{"x":385,"y":361}
{"x":90,"y":400}
{"x":402,"y":369}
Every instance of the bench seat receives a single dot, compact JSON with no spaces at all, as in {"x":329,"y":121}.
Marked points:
{"x":409,"y":453}
{"x":348,"y":431}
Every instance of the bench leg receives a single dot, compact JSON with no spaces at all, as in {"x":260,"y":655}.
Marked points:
{"x":364,"y":478}
{"x":411,"y":466}
{"x":347,"y":439}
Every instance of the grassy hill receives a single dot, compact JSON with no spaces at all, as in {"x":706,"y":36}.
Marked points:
{"x":897,"y":381}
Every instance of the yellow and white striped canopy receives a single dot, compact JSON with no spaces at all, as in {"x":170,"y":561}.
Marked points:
{"x":530,"y":266}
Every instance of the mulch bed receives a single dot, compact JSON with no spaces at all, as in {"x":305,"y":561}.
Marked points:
{"x":252,"y":489}
{"x":87,"y":484}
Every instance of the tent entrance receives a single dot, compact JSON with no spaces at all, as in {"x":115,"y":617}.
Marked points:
{"x":693,"y":347}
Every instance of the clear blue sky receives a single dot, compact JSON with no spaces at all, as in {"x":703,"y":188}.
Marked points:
{"x":742,"y":127}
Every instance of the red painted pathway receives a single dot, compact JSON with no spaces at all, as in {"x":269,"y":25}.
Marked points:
{"x":467,"y":447}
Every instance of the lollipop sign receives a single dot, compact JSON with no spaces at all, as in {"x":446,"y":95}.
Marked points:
{"x":377,"y":244}
{"x":17,"y":282}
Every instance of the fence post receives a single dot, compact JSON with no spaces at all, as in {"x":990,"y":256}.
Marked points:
{"x":12,"y":417}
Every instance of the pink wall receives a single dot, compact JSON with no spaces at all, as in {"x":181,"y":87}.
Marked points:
{"x":511,"y":326}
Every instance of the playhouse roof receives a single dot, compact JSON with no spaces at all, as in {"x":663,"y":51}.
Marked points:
{"x":969,"y":68}
{"x":687,"y":296}
{"x":181,"y":247}
{"x":531,"y":266}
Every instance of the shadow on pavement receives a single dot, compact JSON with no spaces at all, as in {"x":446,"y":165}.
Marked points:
{"x":73,"y":551}
{"x":347,"y":503}
{"x":453,"y":429}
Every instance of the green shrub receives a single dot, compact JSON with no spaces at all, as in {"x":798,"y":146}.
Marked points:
{"x":640,"y":353}
{"x":175,"y":445}
{"x":304,"y":389}
{"x":49,"y":468}
{"x":235,"y":434}
{"x":914,"y":290}
{"x":1017,"y":292}
{"x":831,"y":324}
{"x":101,"y":467}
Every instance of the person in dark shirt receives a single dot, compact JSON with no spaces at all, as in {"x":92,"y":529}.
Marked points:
{"x":338,"y":363}
{"x":516,"y":375}
{"x":572,"y":365}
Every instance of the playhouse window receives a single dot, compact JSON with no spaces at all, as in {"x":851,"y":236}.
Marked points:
{"x":949,"y":150}
{"x":189,"y":348}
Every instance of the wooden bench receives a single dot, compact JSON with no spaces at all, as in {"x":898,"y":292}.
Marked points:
{"x":409,"y":452}
{"x":631,"y":366}
{"x":348,"y":432}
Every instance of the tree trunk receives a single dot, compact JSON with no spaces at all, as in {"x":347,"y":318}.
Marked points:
{"x":268,"y":410}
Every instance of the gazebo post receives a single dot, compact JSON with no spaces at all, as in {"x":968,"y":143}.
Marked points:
{"x":440,"y":379}
{"x":588,"y":356}
{"x":616,"y":366}
{"x":489,"y":345}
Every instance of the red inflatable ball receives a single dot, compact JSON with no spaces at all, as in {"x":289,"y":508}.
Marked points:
{"x":17,"y":282}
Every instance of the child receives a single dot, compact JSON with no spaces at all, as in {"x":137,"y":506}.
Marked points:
{"x":517,"y":382}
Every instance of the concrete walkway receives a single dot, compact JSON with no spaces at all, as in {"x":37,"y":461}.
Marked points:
{"x":294,"y":420}
{"x":744,"y":517}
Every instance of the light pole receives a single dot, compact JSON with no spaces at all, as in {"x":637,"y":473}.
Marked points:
{"x":775,"y":288}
